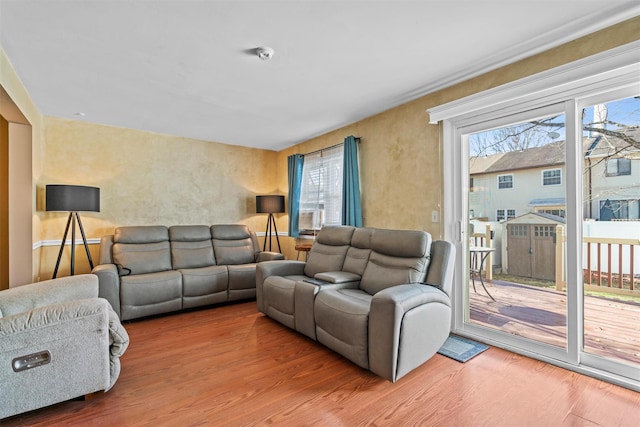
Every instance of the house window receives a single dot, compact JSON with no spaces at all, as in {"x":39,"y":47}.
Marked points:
{"x":321,"y":190}
{"x":471,"y":185}
{"x":505,"y":181}
{"x":618,"y":167}
{"x":619,"y":209}
{"x":502,"y":214}
{"x":557,"y":212}
{"x":552,"y":177}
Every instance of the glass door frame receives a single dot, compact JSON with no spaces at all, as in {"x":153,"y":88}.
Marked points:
{"x":572,"y":86}
{"x":462,"y":324}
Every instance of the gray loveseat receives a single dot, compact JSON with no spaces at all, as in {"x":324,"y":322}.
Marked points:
{"x":380,"y":298}
{"x":58,"y":341}
{"x":147,"y":270}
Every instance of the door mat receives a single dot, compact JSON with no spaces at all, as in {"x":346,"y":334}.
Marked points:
{"x":461,"y":349}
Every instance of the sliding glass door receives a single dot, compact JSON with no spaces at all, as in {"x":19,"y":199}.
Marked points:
{"x":611,"y":231}
{"x":517,"y":204}
{"x":542,"y":183}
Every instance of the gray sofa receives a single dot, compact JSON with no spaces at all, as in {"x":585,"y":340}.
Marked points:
{"x":58,"y":341}
{"x":380,"y":298}
{"x":147,"y":270}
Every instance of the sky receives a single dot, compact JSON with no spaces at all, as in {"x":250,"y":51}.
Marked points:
{"x":625,"y":111}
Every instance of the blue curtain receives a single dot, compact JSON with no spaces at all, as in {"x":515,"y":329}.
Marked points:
{"x":295,"y":163}
{"x":351,"y":206}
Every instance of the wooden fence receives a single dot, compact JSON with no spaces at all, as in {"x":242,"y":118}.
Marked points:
{"x":484,"y":240}
{"x":607,"y":275}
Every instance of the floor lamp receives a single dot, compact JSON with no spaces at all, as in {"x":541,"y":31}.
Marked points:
{"x":72,"y":199}
{"x":270,"y":204}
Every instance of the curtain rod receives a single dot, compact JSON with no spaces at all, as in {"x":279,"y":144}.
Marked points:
{"x":329,"y":148}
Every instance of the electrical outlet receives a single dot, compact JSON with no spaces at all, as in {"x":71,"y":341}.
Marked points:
{"x":435,"y":216}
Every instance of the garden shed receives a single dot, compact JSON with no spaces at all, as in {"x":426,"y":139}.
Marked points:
{"x":531,"y":245}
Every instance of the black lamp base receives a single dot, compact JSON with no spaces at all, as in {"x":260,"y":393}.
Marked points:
{"x":72,"y":221}
{"x":267,"y":233}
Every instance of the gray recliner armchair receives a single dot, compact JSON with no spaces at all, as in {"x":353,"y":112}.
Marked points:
{"x":58,"y":341}
{"x":380,"y":298}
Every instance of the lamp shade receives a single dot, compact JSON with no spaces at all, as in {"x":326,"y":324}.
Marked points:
{"x":269,"y":204}
{"x":72,"y":198}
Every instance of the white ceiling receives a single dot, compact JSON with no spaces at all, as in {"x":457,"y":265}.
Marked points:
{"x":188,"y":68}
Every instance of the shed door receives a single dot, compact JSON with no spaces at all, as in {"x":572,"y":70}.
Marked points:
{"x":543,"y":262}
{"x":518,"y":245}
{"x":531,"y":251}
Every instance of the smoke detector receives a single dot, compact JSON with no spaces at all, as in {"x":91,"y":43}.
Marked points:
{"x":265,"y":53}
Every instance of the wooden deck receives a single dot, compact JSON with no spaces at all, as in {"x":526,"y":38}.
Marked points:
{"x":612,"y":327}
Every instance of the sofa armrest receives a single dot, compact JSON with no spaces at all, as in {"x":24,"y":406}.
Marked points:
{"x":269,"y":256}
{"x":387,"y":313}
{"x":118,"y":343}
{"x":278,"y":268}
{"x":109,"y":284}
{"x":338,"y":277}
{"x":274,"y":268}
{"x":75,"y":336}
{"x":25,"y":298}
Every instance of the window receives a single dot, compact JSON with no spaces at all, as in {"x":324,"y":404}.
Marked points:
{"x":471,"y":185}
{"x":321,"y":191}
{"x":618,"y":167}
{"x":505,"y":181}
{"x":552,"y":177}
{"x":557,"y":212}
{"x":501,"y":216}
{"x":618,"y":209}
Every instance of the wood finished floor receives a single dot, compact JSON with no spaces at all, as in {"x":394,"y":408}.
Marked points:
{"x":230,"y":366}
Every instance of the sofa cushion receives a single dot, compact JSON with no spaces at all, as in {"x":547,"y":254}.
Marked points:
{"x":148,"y":294}
{"x":233,"y":244}
{"x":397,"y":257}
{"x":342,"y":322}
{"x":359,"y":252}
{"x":329,"y":250}
{"x":191,"y":246}
{"x":143,"y":258}
{"x":141,"y":234}
{"x":142,"y":249}
{"x":206,"y":285}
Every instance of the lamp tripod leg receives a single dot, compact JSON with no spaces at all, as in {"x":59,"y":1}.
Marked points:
{"x":64,"y":239}
{"x":276,"y":229}
{"x":266,"y":231}
{"x":73,"y":245}
{"x":84,"y":240}
{"x":269,"y":220}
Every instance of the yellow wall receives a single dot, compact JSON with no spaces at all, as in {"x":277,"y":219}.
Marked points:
{"x":147,"y":178}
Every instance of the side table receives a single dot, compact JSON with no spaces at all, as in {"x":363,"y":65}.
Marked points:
{"x":304,"y":247}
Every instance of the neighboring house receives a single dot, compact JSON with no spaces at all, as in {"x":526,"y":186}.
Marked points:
{"x":612,"y":179}
{"x":507,"y":185}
